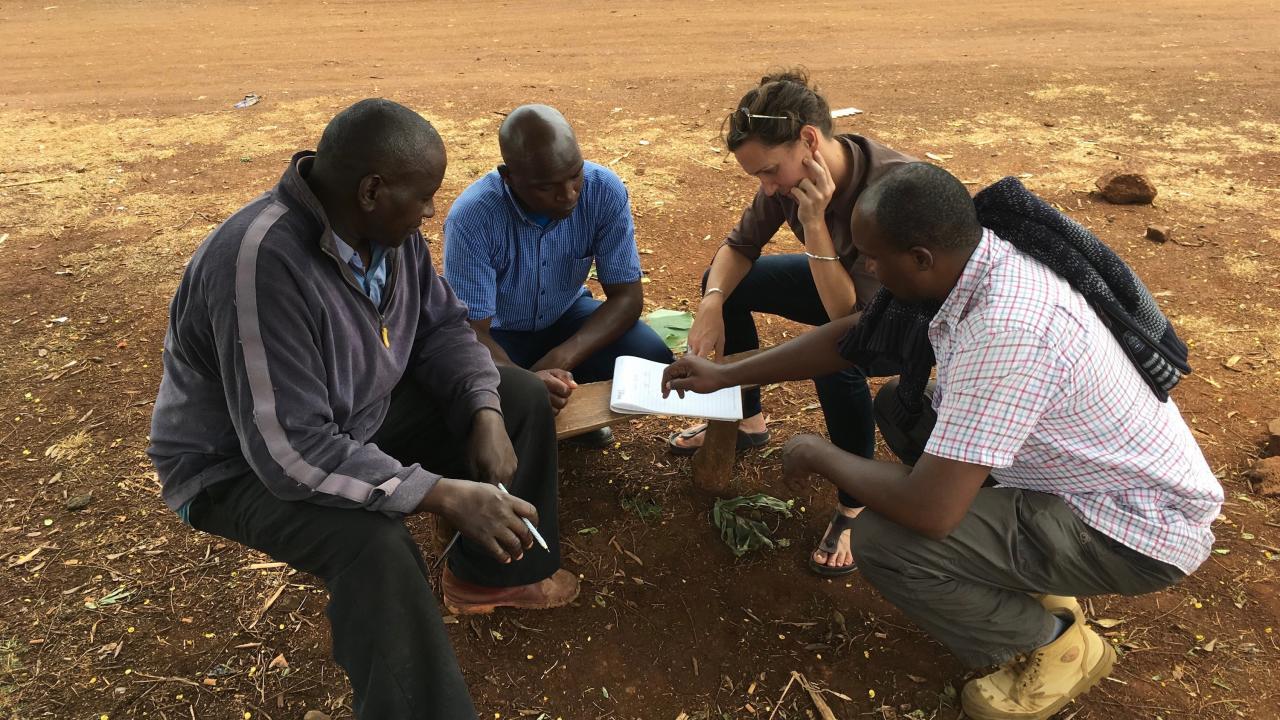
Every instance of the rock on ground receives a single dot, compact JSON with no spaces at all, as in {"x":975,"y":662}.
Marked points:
{"x":1124,"y":187}
{"x":1159,"y":233}
{"x":1265,"y":476}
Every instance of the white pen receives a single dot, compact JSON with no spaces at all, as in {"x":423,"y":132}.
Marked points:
{"x":536,"y":535}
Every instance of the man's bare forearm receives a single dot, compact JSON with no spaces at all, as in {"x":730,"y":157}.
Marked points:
{"x":881,"y":486}
{"x":930,"y":498}
{"x":811,"y":355}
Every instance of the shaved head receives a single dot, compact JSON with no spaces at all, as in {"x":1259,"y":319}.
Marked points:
{"x":537,"y":137}
{"x":541,"y":160}
{"x":377,"y":137}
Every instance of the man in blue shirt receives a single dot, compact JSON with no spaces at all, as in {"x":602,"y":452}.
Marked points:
{"x":519,"y":245}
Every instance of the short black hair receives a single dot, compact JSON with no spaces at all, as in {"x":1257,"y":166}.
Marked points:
{"x":919,"y":204}
{"x":374,"y":136}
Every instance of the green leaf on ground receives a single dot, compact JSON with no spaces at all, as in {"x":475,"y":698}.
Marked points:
{"x":672,"y":326}
{"x":645,"y":508}
{"x":741,"y":521}
{"x":118,"y":595}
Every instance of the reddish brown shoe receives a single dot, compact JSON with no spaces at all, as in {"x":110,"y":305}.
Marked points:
{"x":464,"y":598}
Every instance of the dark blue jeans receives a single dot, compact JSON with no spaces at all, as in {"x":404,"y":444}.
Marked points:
{"x":527,"y":348}
{"x":782,"y":285}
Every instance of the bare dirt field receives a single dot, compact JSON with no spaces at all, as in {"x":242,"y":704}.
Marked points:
{"x":122,"y":151}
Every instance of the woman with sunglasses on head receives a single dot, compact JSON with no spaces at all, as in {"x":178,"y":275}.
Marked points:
{"x":810,"y":179}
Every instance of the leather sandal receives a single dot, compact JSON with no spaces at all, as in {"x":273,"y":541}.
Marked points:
{"x":830,"y":544}
{"x":746,"y":440}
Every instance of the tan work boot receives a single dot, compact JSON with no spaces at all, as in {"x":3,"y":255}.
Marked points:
{"x":464,"y":598}
{"x":1054,"y":603}
{"x":1042,"y":684}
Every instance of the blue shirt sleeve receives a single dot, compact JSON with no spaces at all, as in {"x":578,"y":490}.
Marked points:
{"x":468,"y":262}
{"x":614,"y":245}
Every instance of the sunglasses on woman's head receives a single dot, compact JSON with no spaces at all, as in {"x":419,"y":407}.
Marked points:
{"x":747,"y":116}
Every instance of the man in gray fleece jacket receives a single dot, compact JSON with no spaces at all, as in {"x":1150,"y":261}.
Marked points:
{"x":321,"y":382}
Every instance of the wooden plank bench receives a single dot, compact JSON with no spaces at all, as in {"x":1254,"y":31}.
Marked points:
{"x":588,"y":409}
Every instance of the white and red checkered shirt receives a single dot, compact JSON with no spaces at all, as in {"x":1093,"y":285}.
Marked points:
{"x":1034,"y":386}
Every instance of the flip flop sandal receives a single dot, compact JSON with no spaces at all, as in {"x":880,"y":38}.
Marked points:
{"x":830,"y":543}
{"x":746,"y":440}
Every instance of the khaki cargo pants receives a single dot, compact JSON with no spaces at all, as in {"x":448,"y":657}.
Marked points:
{"x":971,"y":591}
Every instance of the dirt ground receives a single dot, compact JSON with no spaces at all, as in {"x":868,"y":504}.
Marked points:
{"x":122,"y":151}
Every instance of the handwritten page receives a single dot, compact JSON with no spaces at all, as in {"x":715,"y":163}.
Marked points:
{"x":637,"y":389}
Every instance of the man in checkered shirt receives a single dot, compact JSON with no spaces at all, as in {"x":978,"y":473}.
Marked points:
{"x":1043,"y":467}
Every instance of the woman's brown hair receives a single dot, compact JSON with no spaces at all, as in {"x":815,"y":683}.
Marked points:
{"x":774,"y":111}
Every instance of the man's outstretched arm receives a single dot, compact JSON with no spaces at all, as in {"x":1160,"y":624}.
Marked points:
{"x":813,"y":354}
{"x":930,"y":498}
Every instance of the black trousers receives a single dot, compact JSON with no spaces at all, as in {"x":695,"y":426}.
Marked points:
{"x":385,"y":622}
{"x":783,"y":285}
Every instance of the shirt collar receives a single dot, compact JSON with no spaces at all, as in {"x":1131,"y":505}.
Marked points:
{"x":345,"y":251}
{"x":349,"y":255}
{"x":294,"y":185}
{"x":294,"y":182}
{"x":988,"y":252}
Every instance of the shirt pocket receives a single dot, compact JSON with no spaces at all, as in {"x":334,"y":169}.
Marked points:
{"x":576,"y":272}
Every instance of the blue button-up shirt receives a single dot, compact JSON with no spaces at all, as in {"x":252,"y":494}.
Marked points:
{"x":373,"y":281}
{"x":524,"y":275}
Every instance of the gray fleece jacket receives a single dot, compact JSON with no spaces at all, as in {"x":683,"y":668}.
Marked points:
{"x":277,"y":364}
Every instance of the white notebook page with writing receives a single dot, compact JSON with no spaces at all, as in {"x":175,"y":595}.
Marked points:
{"x":637,"y":388}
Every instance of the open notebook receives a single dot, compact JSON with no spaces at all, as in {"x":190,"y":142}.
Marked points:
{"x":637,"y":389}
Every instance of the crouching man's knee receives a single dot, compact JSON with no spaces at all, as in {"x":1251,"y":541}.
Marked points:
{"x":876,"y":542}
